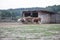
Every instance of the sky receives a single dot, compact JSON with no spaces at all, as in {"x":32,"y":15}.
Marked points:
{"x":7,"y":4}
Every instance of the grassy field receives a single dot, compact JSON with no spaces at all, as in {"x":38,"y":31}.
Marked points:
{"x":29,"y":32}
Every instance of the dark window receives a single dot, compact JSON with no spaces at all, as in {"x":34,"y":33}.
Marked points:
{"x":27,"y":14}
{"x":34,"y":14}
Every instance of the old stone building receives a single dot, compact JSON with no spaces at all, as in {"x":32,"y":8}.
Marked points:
{"x":46,"y":16}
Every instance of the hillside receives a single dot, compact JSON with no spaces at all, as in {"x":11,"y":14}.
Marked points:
{"x":18,"y":11}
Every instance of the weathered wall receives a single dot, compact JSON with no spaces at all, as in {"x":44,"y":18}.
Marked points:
{"x":53,"y":18}
{"x":57,"y":18}
{"x":45,"y":18}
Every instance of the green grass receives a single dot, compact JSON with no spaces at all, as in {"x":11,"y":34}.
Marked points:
{"x":32,"y":30}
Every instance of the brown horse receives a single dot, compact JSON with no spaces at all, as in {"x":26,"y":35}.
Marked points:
{"x":36,"y":20}
{"x":28,"y":19}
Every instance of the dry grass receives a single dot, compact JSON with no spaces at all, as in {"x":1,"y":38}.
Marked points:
{"x":18,"y":31}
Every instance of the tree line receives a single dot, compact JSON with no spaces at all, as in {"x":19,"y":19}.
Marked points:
{"x":17,"y":13}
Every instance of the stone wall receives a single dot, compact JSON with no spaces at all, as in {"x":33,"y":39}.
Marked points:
{"x":45,"y":18}
{"x":55,"y":18}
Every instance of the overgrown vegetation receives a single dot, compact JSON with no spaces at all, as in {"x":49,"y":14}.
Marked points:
{"x":17,"y":13}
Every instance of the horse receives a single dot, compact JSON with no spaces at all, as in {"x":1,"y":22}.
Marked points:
{"x":22,"y":20}
{"x":29,"y":19}
{"x":36,"y":20}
